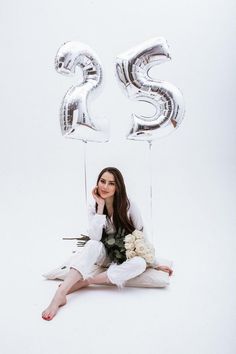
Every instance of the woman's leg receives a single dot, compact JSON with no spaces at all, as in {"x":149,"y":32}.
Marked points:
{"x":59,"y":298}
{"x":81,"y":267}
{"x":78,"y":285}
{"x":118,"y":274}
{"x":100,"y":278}
{"x":71,"y":284}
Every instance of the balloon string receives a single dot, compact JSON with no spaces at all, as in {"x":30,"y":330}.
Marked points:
{"x":85,"y":173}
{"x":150,"y":169}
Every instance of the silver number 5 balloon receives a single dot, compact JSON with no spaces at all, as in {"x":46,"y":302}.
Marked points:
{"x":132,"y":68}
{"x":75,"y":119}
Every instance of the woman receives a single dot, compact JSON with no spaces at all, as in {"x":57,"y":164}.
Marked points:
{"x":112,"y":210}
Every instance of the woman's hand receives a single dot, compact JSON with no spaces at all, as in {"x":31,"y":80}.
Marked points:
{"x":98,"y":199}
{"x":165,"y":269}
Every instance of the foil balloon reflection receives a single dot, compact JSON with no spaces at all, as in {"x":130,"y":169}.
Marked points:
{"x":132,"y":68}
{"x":76,"y":122}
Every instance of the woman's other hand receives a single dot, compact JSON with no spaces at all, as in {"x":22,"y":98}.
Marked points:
{"x":165,"y":269}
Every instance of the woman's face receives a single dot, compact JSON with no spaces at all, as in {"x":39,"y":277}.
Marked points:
{"x":106,"y":185}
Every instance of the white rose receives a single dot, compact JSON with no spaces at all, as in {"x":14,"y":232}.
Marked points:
{"x":138,"y":234}
{"x":141,"y":249}
{"x":129,"y":238}
{"x":151,"y":250}
{"x":130,"y":254}
{"x":149,"y":245}
{"x":139,"y":242}
{"x":149,"y":258}
{"x":129,"y":245}
{"x":141,"y":254}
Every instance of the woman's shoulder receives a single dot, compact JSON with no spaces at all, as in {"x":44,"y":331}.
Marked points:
{"x":133,"y":207}
{"x":135,"y":215}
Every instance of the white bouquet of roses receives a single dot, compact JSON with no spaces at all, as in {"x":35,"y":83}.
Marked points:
{"x":136,"y":245}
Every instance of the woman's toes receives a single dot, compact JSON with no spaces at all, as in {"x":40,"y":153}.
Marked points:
{"x":50,"y":312}
{"x":46,"y":316}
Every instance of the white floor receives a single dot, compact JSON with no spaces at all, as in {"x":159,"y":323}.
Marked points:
{"x":195,"y":314}
{"x":194,"y":174}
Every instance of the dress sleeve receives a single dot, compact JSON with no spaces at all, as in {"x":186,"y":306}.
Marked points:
{"x":135,"y":216}
{"x":137,"y":220}
{"x":96,"y":223}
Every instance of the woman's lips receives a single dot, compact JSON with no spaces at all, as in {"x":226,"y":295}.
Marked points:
{"x":104,"y":193}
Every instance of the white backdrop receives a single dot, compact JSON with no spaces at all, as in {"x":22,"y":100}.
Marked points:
{"x":42,"y":181}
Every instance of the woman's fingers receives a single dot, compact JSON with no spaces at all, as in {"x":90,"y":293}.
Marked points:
{"x":166,"y":269}
{"x":169,"y":270}
{"x":94,"y":194}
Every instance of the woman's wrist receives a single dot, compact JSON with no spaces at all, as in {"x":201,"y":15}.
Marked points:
{"x":100,"y":208}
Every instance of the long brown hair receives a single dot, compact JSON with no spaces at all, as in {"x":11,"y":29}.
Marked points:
{"x":121,"y":202}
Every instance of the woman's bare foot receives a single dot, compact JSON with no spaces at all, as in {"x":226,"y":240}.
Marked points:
{"x":58,"y":301}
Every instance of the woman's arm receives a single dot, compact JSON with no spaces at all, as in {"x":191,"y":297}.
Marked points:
{"x":96,"y":223}
{"x":135,"y":216}
{"x":97,"y":219}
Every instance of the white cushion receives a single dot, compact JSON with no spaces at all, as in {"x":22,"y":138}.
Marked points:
{"x":151,"y":278}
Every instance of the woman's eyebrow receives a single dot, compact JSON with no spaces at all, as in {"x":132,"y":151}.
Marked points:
{"x":102,"y":179}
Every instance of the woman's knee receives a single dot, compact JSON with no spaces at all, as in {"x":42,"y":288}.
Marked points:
{"x":140,"y":263}
{"x":95,"y":249}
{"x":119,"y":274}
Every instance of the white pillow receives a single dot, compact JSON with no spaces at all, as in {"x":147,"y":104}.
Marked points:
{"x":151,"y":278}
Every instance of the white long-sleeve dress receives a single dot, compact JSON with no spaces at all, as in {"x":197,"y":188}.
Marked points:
{"x":94,"y":252}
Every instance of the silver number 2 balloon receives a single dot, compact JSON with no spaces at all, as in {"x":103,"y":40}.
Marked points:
{"x":75,"y":119}
{"x":132,"y":68}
